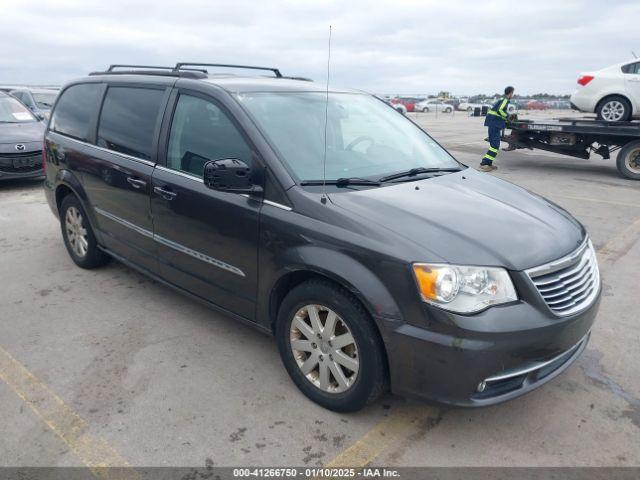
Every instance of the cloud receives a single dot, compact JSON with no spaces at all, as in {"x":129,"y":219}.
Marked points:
{"x":387,"y":46}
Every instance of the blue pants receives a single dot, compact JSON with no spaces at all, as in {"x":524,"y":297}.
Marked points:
{"x":494,"y":145}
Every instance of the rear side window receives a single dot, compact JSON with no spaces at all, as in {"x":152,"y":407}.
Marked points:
{"x":72,"y":115}
{"x":128,"y":120}
{"x":631,"y":68}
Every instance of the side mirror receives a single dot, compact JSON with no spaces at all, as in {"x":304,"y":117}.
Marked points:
{"x":229,"y":175}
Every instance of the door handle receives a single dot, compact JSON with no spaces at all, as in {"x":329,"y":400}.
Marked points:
{"x":136,"y":182}
{"x":166,"y":194}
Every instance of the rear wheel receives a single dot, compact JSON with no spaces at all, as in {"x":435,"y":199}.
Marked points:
{"x":330,"y":347}
{"x":78,"y":235}
{"x":614,"y":109}
{"x":628,"y":161}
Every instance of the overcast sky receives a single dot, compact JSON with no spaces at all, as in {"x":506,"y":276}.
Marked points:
{"x":394,"y":46}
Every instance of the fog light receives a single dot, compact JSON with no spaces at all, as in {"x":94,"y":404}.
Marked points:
{"x":481,"y":386}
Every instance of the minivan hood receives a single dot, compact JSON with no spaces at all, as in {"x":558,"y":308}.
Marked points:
{"x":21,"y":132}
{"x":470,"y":218}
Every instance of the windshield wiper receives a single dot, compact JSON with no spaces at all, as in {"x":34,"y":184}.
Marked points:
{"x":417,"y":171}
{"x":342,"y":182}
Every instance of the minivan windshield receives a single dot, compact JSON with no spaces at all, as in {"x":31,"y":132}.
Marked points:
{"x":12,"y":111}
{"x":45,"y":99}
{"x":365,"y":137}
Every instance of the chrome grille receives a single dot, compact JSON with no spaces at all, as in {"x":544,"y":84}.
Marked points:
{"x":570,"y":284}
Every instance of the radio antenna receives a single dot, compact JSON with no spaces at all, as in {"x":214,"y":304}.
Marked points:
{"x":634,"y":54}
{"x":323,"y":199}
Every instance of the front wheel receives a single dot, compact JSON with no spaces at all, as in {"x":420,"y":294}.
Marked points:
{"x":628,"y":160}
{"x":614,"y":109}
{"x":425,"y":110}
{"x":330,"y":346}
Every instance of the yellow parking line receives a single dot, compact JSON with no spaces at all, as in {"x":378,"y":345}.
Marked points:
{"x":94,"y":452}
{"x":386,"y":432}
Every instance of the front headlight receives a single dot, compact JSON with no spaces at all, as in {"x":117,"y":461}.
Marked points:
{"x":463,"y":289}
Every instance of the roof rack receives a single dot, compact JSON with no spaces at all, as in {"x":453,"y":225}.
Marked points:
{"x":182,"y":69}
{"x":180,"y":66}
{"x":152,"y":70}
{"x":152,"y":67}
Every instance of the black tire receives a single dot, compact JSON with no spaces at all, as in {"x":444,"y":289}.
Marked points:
{"x":425,"y":110}
{"x":604,"y":107}
{"x":93,"y":257}
{"x":628,"y":160}
{"x":371,"y":379}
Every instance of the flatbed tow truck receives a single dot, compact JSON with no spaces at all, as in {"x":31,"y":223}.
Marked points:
{"x":580,"y":137}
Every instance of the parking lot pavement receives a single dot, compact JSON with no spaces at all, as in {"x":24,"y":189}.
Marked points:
{"x":108,"y":365}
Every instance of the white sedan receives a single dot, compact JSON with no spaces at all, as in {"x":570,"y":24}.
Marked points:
{"x":613,"y":93}
{"x":433,"y":105}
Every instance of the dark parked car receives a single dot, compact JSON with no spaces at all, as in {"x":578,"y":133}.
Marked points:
{"x":376,"y":259}
{"x":21,"y":136}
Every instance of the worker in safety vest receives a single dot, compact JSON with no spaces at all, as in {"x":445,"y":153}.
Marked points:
{"x":495,"y":121}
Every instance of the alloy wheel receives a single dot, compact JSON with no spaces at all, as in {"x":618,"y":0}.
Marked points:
{"x":613,"y":111}
{"x":324,"y":348}
{"x":76,"y":233}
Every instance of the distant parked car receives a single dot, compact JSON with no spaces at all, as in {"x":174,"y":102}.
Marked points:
{"x":612,"y":93}
{"x":536,"y":105}
{"x":454,"y":102}
{"x":398,"y":106}
{"x":21,"y":136}
{"x":433,"y":105}
{"x":409,"y":102}
{"x":469,"y":107}
{"x":38,"y":100}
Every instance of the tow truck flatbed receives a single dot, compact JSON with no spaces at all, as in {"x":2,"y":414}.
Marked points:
{"x":580,"y":137}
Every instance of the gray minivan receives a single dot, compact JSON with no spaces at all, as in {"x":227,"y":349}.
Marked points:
{"x":326,"y":219}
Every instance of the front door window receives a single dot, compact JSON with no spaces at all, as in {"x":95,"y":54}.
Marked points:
{"x":200,"y":132}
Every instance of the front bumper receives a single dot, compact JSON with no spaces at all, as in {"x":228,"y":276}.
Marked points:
{"x":22,"y":165}
{"x":449,"y":363}
{"x":17,"y":175}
